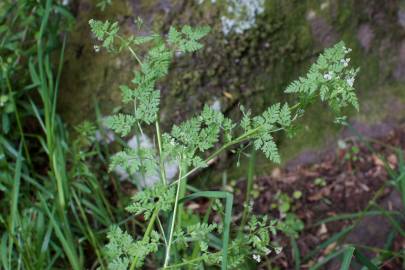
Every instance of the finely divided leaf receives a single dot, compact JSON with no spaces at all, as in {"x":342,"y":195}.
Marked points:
{"x":120,"y":123}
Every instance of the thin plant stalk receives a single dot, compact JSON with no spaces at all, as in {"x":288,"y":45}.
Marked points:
{"x":167,"y":256}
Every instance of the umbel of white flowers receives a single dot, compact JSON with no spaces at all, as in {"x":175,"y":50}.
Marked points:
{"x":240,"y":15}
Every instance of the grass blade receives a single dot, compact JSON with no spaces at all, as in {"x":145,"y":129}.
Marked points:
{"x":15,"y":192}
{"x":363,"y":260}
{"x":347,"y":258}
{"x":327,"y":259}
{"x":295,"y":253}
{"x":354,"y":216}
{"x":331,"y":240}
{"x":67,"y":245}
{"x":13,"y":217}
{"x":227,"y":219}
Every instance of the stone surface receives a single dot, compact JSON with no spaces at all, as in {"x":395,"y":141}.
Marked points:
{"x":399,"y":72}
{"x":252,"y":68}
{"x":365,"y":36}
{"x":323,"y":33}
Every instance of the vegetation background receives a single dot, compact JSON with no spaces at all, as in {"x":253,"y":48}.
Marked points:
{"x":58,"y":199}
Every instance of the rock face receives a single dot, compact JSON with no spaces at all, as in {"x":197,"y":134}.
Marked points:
{"x":250,"y":67}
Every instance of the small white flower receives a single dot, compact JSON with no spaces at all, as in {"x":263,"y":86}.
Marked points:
{"x":257,"y":258}
{"x":328,"y":76}
{"x":96,"y":48}
{"x":178,"y":53}
{"x":278,"y":250}
{"x":348,"y":50}
{"x":350,"y":81}
{"x":345,"y":62}
{"x":241,"y":15}
{"x":216,"y":106}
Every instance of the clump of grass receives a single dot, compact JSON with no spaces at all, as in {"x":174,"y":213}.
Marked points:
{"x":46,"y":188}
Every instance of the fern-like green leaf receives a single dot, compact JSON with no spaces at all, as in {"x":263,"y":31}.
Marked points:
{"x":331,"y":78}
{"x":146,"y":201}
{"x":122,"y":249}
{"x":120,"y":123}
{"x":140,"y":160}
{"x":105,"y":32}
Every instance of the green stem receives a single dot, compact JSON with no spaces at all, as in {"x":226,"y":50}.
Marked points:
{"x":243,"y":137}
{"x":162,"y":231}
{"x":18,"y":119}
{"x":182,"y":193}
{"x":167,"y":257}
{"x":131,"y":50}
{"x":92,"y":238}
{"x":161,"y":160}
{"x":135,"y":55}
{"x":249,"y":187}
{"x":176,"y":266}
{"x":246,"y":136}
{"x":147,"y":233}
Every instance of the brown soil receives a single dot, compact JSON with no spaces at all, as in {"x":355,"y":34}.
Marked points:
{"x":352,"y":178}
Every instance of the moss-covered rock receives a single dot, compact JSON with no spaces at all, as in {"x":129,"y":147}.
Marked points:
{"x":251,"y":68}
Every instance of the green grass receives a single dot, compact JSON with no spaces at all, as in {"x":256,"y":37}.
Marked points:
{"x":56,"y":208}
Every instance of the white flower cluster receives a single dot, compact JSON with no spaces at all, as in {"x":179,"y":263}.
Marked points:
{"x":350,"y":81}
{"x":278,"y":250}
{"x":202,"y":1}
{"x":240,"y":14}
{"x":328,"y":76}
{"x":257,"y":258}
{"x":96,"y":48}
{"x":345,"y":62}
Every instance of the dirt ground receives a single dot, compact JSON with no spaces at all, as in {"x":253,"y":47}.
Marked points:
{"x":342,"y":179}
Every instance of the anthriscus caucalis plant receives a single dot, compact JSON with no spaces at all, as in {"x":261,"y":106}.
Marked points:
{"x":192,"y":145}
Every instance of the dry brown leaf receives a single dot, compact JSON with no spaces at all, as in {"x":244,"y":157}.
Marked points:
{"x":321,"y":194}
{"x":193,"y":206}
{"x":309,"y":173}
{"x":276,"y":173}
{"x":377,"y":161}
{"x":228,"y":95}
{"x":322,"y":229}
{"x":364,"y":187}
{"x":392,"y":161}
{"x":329,"y":248}
{"x":315,"y":197}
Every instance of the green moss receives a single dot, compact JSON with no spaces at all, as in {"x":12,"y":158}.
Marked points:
{"x":386,"y":102}
{"x":346,"y":12}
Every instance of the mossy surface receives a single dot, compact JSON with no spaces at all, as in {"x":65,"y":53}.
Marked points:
{"x":251,"y":69}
